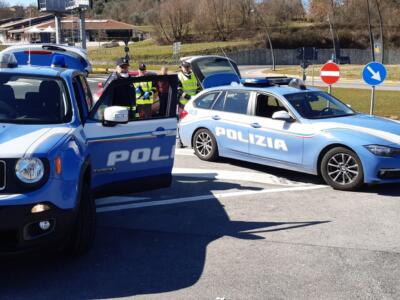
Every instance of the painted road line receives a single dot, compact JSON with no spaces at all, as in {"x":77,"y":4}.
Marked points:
{"x":205,"y":197}
{"x":184,"y":152}
{"x":263,"y":178}
{"x":119,"y":200}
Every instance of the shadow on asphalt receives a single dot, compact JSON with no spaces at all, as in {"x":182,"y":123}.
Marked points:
{"x":142,"y":251}
{"x":287,"y":174}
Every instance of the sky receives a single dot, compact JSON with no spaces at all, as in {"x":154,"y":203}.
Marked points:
{"x":23,"y":2}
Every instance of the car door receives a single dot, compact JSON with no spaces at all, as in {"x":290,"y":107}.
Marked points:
{"x":272,"y":139}
{"x":231,"y":122}
{"x":137,"y":155}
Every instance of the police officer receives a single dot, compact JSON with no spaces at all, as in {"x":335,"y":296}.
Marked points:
{"x":188,"y":84}
{"x":145,"y":95}
{"x":121,"y":71}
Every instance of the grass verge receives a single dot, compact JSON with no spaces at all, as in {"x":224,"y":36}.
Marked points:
{"x":387,"y":103}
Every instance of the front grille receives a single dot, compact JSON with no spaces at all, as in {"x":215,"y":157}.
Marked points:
{"x":8,"y":240}
{"x":3,"y":172}
{"x":389,"y":174}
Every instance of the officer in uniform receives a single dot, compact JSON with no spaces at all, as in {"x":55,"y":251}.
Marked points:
{"x":145,"y":95}
{"x":121,"y":71}
{"x":188,"y":84}
{"x":123,"y":95}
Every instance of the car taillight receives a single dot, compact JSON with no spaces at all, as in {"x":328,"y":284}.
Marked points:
{"x":40,"y":52}
{"x":183,"y":114}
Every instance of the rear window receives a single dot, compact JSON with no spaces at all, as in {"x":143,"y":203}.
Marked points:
{"x":33,"y":100}
{"x":211,"y":66}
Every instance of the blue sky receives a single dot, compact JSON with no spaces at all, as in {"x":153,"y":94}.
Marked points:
{"x":23,"y":2}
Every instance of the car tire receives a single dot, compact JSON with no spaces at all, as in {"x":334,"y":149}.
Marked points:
{"x":84,"y":231}
{"x":342,"y":169}
{"x":205,"y":145}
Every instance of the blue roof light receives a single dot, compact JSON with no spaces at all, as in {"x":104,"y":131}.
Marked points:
{"x":58,"y":62}
{"x":266,"y":81}
{"x":8,"y":60}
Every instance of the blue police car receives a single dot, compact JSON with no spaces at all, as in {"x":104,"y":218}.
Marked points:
{"x":59,"y":151}
{"x":281,"y":123}
{"x":43,"y":55}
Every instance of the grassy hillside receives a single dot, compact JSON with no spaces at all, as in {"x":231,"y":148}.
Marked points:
{"x":149,"y":51}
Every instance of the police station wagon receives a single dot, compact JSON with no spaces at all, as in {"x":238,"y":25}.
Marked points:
{"x":58,"y":151}
{"x":281,"y":123}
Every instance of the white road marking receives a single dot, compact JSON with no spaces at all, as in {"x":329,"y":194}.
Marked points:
{"x":118,"y":200}
{"x":263,"y":178}
{"x":204,"y":197}
{"x":184,"y":152}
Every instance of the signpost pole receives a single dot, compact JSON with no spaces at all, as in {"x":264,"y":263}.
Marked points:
{"x":330,"y":89}
{"x":372,"y":100}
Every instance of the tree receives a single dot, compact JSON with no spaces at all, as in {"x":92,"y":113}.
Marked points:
{"x":174,"y":19}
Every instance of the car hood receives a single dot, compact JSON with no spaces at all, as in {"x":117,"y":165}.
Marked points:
{"x":378,"y":127}
{"x":27,"y":140}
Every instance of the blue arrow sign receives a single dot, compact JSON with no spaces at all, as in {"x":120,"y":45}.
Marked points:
{"x":374,"y":73}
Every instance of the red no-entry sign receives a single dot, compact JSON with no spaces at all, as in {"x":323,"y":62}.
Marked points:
{"x":330,"y":73}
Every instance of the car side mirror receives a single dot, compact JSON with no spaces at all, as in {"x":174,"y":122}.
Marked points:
{"x":115,"y":115}
{"x":282,"y":116}
{"x":100,"y":85}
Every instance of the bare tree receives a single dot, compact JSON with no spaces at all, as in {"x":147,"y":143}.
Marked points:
{"x":174,"y":19}
{"x":219,"y":15}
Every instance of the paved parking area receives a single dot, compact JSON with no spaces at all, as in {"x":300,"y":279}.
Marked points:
{"x":228,"y":230}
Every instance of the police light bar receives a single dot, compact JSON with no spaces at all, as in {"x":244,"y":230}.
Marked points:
{"x":266,"y":82}
{"x":58,"y":62}
{"x":8,"y":60}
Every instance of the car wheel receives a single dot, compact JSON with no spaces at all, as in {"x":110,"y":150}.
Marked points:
{"x":205,"y":145}
{"x":83,"y":234}
{"x":342,"y":169}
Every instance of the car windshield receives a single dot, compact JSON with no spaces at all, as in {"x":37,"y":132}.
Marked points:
{"x":318,"y":105}
{"x":33,"y":100}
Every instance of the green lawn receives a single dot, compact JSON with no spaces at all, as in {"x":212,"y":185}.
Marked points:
{"x":149,"y":51}
{"x":347,"y":71}
{"x":387,"y":103}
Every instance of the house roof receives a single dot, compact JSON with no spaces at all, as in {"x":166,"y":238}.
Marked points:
{"x":17,"y":24}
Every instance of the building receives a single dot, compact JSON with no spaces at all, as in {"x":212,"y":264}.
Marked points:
{"x":33,"y":30}
{"x":12,"y":31}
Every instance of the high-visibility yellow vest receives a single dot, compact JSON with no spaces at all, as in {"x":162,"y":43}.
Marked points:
{"x":146,"y":87}
{"x":189,"y":86}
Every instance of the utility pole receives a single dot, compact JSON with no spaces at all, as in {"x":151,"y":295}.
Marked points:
{"x":371,"y":37}
{"x":82,"y":27}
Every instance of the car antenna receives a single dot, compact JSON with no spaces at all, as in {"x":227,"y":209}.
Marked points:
{"x":29,"y":47}
{"x":229,"y":60}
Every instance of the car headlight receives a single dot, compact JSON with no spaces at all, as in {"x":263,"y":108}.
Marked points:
{"x":383,"y":150}
{"x":29,"y":170}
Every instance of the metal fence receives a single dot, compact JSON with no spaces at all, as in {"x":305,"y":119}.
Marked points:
{"x":288,"y":56}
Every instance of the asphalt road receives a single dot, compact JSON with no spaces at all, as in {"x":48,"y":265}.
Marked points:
{"x":228,"y":230}
{"x":257,"y":71}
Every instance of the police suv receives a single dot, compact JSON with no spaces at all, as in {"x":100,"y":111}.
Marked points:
{"x":59,"y":150}
{"x":281,"y":123}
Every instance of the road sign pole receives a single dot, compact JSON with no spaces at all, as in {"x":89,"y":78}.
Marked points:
{"x":330,"y":89}
{"x":372,"y":100}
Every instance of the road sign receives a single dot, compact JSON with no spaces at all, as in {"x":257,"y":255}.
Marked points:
{"x":374,"y":73}
{"x":330,"y":73}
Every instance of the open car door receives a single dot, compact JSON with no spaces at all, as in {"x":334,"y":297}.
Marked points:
{"x":135,"y":154}
{"x":212,"y":71}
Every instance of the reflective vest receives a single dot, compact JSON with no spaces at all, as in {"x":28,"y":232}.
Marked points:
{"x":189,"y":86}
{"x":146,"y":87}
